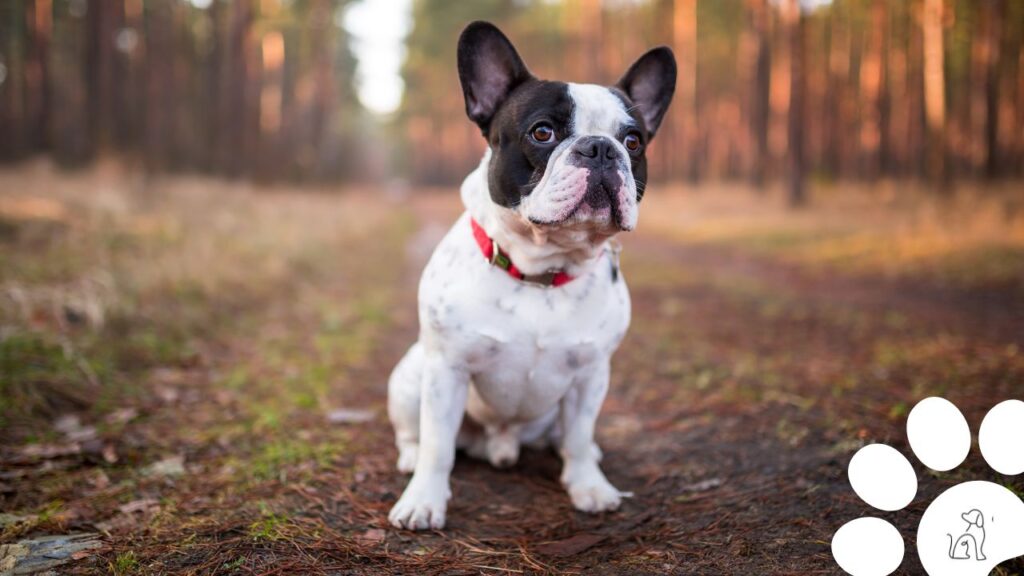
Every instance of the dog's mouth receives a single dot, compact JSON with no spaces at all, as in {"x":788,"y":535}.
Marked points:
{"x":584,"y":216}
{"x":598,"y":206}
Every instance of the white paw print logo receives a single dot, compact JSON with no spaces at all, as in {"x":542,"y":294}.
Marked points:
{"x":968,"y":529}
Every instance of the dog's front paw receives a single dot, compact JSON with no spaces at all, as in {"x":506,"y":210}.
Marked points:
{"x":421,"y":507}
{"x":589,"y":490}
{"x":597,"y":496}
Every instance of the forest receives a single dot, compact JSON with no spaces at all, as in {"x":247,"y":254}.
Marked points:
{"x":843,"y":90}
{"x":210,"y":241}
{"x":245,"y":88}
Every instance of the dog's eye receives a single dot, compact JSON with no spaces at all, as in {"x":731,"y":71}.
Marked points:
{"x":631,"y":142}
{"x":543,"y":133}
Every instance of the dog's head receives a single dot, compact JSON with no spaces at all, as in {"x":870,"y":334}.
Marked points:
{"x":974,"y":517}
{"x":562,"y":154}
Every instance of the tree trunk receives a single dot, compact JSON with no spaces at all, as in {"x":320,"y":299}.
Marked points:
{"x":684,"y":34}
{"x":759,"y":90}
{"x":323,"y":70}
{"x":40,"y":14}
{"x":12,"y":88}
{"x":898,"y":111}
{"x":159,"y":69}
{"x":233,"y":85}
{"x":934,"y":91}
{"x":795,"y":141}
{"x":105,"y":18}
{"x":872,"y":85}
{"x":837,"y":122}
{"x":69,"y":102}
{"x":995,"y":11}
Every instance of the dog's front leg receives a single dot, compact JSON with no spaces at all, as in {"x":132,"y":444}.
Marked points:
{"x":589,"y":490}
{"x":442,"y":404}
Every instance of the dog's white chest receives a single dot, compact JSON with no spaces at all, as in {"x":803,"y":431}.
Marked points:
{"x":522,"y":377}
{"x":523,"y":346}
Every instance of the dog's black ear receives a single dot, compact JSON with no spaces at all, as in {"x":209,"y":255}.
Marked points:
{"x":489,"y":68}
{"x":650,"y":83}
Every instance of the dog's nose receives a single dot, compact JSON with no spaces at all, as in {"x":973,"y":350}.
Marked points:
{"x":595,"y":151}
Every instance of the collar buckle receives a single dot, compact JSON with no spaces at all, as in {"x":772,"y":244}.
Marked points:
{"x":497,"y":257}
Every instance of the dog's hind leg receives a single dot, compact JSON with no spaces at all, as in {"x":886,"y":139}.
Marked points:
{"x":424,"y":502}
{"x":546,"y":432}
{"x":404,"y":406}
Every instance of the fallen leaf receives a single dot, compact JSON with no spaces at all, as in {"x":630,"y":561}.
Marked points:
{"x":167,"y":394}
{"x":71,"y":427}
{"x":122,"y":416}
{"x":372,"y":536}
{"x":171,"y":466}
{"x":45,"y":451}
{"x":119,"y":523}
{"x":703,"y":485}
{"x":83,"y":434}
{"x":572,"y":545}
{"x":143,"y":505}
{"x":349,"y":416}
{"x":81,"y":554}
{"x":100,"y":480}
{"x":67,"y":423}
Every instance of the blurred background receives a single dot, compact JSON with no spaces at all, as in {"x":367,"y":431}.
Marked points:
{"x":214,"y":214}
{"x":327,"y":90}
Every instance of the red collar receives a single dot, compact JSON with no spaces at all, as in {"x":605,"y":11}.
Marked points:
{"x":494,"y":254}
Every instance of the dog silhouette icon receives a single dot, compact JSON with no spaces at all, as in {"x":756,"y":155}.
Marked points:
{"x":971,"y":543}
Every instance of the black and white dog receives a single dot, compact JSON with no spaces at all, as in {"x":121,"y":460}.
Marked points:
{"x":522,"y":305}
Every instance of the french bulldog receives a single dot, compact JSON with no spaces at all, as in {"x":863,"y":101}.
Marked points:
{"x":522,"y":303}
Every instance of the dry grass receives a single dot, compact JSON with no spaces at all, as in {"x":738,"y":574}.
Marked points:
{"x":105,"y":240}
{"x":103,"y":273}
{"x":972,"y":237}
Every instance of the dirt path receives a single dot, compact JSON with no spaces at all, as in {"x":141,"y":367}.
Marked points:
{"x":737,"y":399}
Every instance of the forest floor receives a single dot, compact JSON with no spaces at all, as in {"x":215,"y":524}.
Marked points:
{"x":193,"y":377}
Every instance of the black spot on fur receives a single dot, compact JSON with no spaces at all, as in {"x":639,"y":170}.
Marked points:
{"x":489,"y":69}
{"x":517,"y":161}
{"x":650,"y":83}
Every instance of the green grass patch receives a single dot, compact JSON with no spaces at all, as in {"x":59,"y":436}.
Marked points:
{"x":233,"y":564}
{"x":124,"y":563}
{"x":39,"y":378}
{"x":278,"y":457}
{"x":269,"y":528}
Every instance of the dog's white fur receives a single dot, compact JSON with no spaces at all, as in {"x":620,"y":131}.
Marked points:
{"x":528,"y":364}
